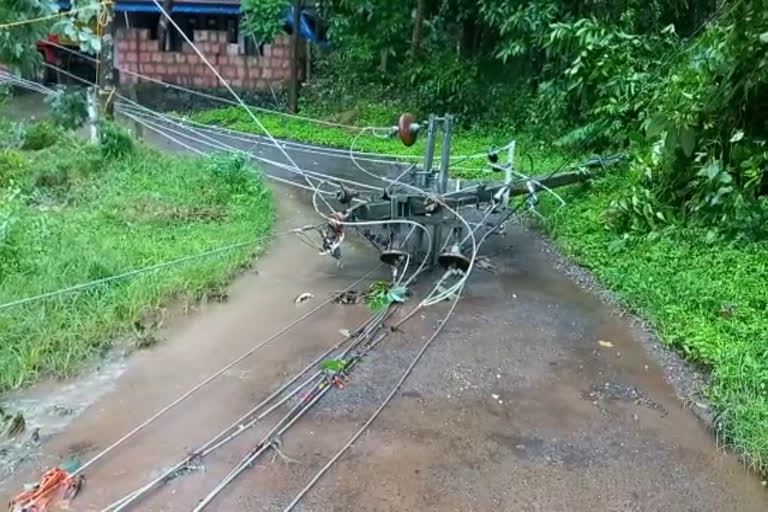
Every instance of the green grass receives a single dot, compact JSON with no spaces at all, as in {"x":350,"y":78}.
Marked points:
{"x":70,"y":214}
{"x":709,"y":301}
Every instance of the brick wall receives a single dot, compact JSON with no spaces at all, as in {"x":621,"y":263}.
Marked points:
{"x":138,"y":53}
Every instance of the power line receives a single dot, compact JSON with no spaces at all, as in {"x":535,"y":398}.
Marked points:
{"x":132,"y":273}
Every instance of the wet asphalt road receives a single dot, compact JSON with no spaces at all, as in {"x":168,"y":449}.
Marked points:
{"x":516,"y":407}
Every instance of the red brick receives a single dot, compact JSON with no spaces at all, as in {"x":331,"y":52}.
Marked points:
{"x":146,"y":69}
{"x":153,"y":46}
{"x":141,"y":33}
{"x":198,"y":81}
{"x":285,"y":64}
{"x":172,"y":69}
{"x":267,"y":73}
{"x":218,"y":49}
{"x":237,"y":82}
{"x":132,"y":45}
{"x":254,"y":62}
{"x":143,"y":46}
{"x":233,"y":50}
{"x":157,"y":57}
{"x":169,"y":58}
{"x":179,"y":57}
{"x":131,"y":57}
{"x":260,"y":84}
{"x":122,"y":46}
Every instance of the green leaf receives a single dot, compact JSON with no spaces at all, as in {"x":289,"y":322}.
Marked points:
{"x":333,"y":365}
{"x":688,"y":141}
{"x":737,"y":136}
{"x":711,"y":170}
{"x":764,"y":37}
{"x":656,"y":125}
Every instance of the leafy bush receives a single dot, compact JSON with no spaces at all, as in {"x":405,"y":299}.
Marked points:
{"x":115,"y":141}
{"x":68,"y":107}
{"x":12,"y":134}
{"x":235,"y":171}
{"x":40,"y":135}
{"x":707,"y":156}
{"x":9,"y":211}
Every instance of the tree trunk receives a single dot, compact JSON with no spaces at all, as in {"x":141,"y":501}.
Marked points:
{"x":418,"y":21}
{"x":293,"y":92}
{"x":162,"y":27}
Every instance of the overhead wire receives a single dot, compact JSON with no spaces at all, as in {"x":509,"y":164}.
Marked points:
{"x":309,"y":147}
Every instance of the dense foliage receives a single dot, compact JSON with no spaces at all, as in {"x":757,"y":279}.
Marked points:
{"x":30,"y":21}
{"x":683,"y":85}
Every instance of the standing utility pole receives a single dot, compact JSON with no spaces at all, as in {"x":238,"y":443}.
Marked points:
{"x":106,"y":66}
{"x":293,"y":92}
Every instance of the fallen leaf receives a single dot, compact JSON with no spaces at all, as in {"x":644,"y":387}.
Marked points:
{"x":606,"y":344}
{"x":302,"y":297}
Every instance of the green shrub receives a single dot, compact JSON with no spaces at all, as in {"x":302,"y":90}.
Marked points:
{"x":232,"y":169}
{"x":68,"y":107}
{"x":12,"y":134}
{"x":116,"y":141}
{"x":40,"y":135}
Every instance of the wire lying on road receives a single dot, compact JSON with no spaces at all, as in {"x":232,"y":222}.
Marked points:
{"x":218,"y":373}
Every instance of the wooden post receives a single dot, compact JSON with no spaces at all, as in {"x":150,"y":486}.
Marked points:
{"x":106,"y":79}
{"x":163,"y":34}
{"x":293,"y":91}
{"x":138,"y":128}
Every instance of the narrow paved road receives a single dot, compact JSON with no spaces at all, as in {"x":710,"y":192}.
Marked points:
{"x":516,"y":407}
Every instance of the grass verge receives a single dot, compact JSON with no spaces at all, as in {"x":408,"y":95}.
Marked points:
{"x":709,"y":300}
{"x":536,"y":155}
{"x":72,"y":212}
